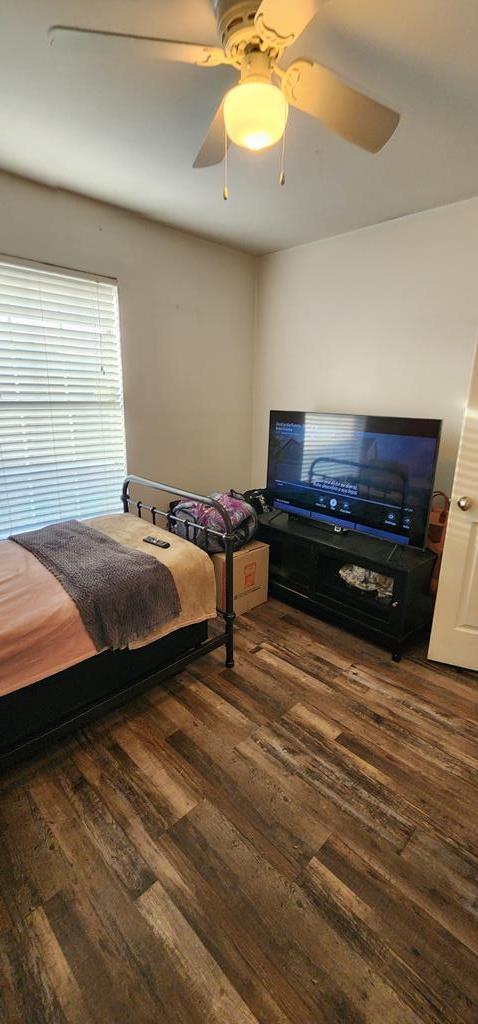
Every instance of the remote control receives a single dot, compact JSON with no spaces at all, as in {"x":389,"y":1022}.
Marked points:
{"x":155,"y":540}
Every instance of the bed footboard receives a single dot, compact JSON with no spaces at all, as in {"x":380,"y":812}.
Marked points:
{"x":194,"y":532}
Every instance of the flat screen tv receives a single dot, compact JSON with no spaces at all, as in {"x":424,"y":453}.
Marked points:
{"x":368,"y":473}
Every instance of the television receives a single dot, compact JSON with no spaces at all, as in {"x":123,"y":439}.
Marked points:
{"x":373,"y":474}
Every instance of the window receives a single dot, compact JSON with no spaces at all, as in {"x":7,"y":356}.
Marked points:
{"x":62,"y":438}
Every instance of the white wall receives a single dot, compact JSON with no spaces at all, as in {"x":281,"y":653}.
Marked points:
{"x":379,"y":321}
{"x":186,"y":310}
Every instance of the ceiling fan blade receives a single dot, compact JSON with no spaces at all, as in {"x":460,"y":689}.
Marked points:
{"x":281,"y":22}
{"x":82,"y":40}
{"x":357,"y":118}
{"x":213,"y":148}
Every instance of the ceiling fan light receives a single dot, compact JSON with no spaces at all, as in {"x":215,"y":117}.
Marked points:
{"x":255,"y":114}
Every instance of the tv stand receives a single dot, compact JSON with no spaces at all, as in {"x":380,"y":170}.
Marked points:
{"x":304,"y":571}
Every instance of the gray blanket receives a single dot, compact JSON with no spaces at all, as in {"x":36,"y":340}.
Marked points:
{"x":122,"y":595}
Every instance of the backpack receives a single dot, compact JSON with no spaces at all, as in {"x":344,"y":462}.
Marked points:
{"x":189,"y":513}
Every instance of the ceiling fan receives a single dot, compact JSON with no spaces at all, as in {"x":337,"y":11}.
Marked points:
{"x":254,"y":112}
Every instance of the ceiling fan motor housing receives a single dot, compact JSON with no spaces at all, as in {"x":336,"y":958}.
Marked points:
{"x":235,"y":24}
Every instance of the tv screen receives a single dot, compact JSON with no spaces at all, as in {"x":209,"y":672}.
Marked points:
{"x":369,"y":473}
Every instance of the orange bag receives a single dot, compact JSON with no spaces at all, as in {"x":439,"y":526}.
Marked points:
{"x":436,"y":534}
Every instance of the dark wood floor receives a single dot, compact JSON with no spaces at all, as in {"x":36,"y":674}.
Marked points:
{"x":294,"y":841}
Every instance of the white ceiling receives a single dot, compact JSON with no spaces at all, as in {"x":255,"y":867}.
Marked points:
{"x":129,"y":134}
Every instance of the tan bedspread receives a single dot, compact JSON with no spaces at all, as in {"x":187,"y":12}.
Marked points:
{"x":41,"y":631}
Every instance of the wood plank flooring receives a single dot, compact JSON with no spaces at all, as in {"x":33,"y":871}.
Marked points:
{"x":294,"y":841}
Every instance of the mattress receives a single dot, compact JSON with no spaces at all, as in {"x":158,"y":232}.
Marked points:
{"x":41,"y":631}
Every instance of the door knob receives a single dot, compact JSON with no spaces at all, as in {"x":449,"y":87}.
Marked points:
{"x":464,"y":503}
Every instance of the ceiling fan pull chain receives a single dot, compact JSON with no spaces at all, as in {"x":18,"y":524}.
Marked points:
{"x":282,"y":160}
{"x":225,"y":194}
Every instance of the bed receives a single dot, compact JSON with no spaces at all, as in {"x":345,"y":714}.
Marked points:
{"x":52,"y":677}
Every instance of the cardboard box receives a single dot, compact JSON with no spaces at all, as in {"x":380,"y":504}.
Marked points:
{"x":251,"y":577}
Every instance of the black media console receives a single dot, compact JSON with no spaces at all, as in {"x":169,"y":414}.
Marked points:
{"x":305,"y":563}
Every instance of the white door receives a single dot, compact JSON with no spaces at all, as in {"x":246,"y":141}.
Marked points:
{"x":454,"y":637}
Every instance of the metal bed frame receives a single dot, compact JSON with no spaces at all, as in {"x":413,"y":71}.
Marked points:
{"x":193,"y":533}
{"x":36,"y":715}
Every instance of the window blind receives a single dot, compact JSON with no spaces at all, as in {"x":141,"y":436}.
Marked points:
{"x":62,"y":437}
{"x":333,"y":433}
